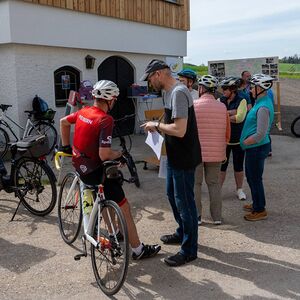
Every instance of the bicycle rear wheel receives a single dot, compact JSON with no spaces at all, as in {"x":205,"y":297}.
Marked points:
{"x":36,"y":186}
{"x":4,"y":141}
{"x":69,"y":209}
{"x":110,"y":259}
{"x":295,"y":127}
{"x":48,"y":129}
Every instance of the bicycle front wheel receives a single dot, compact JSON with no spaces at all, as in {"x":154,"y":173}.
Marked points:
{"x":295,"y":127}
{"x":4,"y":141}
{"x":69,"y":208}
{"x":36,"y":186}
{"x":48,"y":129}
{"x":110,"y":259}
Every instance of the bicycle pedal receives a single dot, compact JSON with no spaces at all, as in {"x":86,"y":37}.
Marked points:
{"x":78,"y":256}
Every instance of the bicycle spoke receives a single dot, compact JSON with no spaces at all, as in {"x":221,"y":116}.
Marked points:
{"x":110,"y":258}
{"x":69,"y":209}
{"x":36,"y":186}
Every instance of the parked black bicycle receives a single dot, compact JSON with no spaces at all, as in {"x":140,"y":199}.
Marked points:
{"x":119,"y":123}
{"x":31,"y":178}
{"x":295,"y":127}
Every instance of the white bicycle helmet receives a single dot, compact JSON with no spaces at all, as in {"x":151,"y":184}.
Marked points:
{"x":209,"y":81}
{"x":262,"y":80}
{"x":106,"y":90}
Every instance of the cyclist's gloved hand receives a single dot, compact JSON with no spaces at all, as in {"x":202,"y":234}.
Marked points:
{"x":66,"y":149}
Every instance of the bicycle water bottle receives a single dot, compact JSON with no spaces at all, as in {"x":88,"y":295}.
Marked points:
{"x":88,"y":201}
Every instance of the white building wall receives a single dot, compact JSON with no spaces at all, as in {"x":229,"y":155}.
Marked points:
{"x":8,"y":82}
{"x":29,"y":70}
{"x":44,"y":25}
{"x":35,"y":40}
{"x":5,"y":32}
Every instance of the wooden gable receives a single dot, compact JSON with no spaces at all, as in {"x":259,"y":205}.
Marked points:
{"x":154,"y":12}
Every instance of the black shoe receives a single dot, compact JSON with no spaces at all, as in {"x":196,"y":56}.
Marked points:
{"x":147,"y":251}
{"x":171,"y":239}
{"x":178,"y":260}
{"x":199,"y":220}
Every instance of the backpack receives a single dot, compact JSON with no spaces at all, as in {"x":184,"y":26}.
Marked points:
{"x":39,"y":105}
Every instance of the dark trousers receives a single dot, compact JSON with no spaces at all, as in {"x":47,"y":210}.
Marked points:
{"x":180,"y":191}
{"x":254,"y":165}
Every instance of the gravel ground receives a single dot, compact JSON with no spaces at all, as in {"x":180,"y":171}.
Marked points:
{"x":237,"y":260}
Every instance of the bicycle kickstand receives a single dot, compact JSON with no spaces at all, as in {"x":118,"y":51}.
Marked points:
{"x":84,"y":252}
{"x":12,"y":218}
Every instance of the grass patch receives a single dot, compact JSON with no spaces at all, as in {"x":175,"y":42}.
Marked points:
{"x":289,"y":68}
{"x":291,"y":71}
{"x":200,"y":70}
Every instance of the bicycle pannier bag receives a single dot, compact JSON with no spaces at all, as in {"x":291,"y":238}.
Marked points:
{"x":33,"y":146}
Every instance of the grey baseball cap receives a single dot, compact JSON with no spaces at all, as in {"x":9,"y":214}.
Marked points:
{"x":154,"y":65}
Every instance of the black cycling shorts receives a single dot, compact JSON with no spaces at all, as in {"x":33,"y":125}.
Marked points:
{"x":112,"y":187}
{"x":238,"y":155}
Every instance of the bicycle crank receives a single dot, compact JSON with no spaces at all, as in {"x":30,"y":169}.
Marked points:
{"x":84,"y":252}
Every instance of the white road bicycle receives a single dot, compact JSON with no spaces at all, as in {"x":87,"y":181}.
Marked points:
{"x":33,"y":127}
{"x":104,"y":228}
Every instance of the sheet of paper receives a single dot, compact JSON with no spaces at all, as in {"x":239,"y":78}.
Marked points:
{"x":162,"y":167}
{"x":155,"y":141}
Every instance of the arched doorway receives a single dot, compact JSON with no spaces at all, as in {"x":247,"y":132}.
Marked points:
{"x":118,"y":70}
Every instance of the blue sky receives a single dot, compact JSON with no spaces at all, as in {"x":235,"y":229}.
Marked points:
{"x":235,"y":29}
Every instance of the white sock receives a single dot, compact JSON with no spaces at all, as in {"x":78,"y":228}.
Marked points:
{"x":138,"y":249}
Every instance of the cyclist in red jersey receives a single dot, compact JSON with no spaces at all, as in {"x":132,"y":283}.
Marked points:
{"x":92,"y":146}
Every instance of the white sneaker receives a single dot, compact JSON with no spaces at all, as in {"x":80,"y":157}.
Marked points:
{"x":217,"y":222}
{"x":241,"y":195}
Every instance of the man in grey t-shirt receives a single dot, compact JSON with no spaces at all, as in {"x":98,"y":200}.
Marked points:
{"x":183,"y":154}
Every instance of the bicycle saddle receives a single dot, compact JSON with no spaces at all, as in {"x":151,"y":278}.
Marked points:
{"x":109,"y":163}
{"x":4,"y":107}
{"x":30,"y":112}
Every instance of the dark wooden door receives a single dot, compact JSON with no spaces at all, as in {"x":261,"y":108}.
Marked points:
{"x":121,"y":72}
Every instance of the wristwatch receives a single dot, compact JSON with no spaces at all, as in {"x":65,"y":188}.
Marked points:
{"x":157,"y":126}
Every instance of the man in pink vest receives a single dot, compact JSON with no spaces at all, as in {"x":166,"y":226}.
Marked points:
{"x":214,"y":132}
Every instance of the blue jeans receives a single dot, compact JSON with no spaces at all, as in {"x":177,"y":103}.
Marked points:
{"x":180,"y":191}
{"x":254,"y":167}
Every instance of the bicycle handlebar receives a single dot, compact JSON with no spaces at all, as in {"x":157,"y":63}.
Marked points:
{"x":4,"y":107}
{"x":126,"y":117}
{"x":58,"y":156}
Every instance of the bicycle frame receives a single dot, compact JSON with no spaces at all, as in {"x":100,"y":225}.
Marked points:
{"x":87,"y":224}
{"x":29,"y":124}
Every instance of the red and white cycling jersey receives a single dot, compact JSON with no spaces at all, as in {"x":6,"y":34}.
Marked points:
{"x":93,"y":129}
